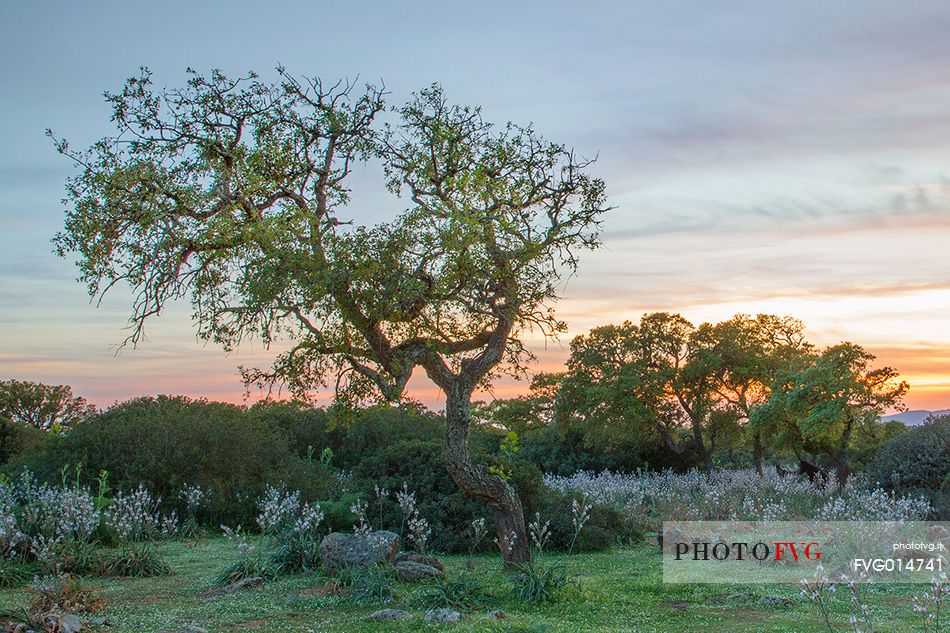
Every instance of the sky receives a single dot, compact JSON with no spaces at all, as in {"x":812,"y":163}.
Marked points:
{"x":788,"y":158}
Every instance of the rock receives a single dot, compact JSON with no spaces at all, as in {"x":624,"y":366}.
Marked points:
{"x":444,"y":616}
{"x":668,"y":539}
{"x":234,"y":587}
{"x":339,"y":549}
{"x":390,"y":614}
{"x":497,"y":614}
{"x":776,"y":601}
{"x":70,"y":623}
{"x":408,"y":570}
{"x":431,"y":561}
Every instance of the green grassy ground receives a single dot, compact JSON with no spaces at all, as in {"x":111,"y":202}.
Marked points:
{"x":619,"y":590}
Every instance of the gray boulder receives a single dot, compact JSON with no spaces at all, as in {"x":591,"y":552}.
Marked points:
{"x":234,"y":587}
{"x":342,"y":549}
{"x":431,"y":561}
{"x":444,"y":616}
{"x":412,"y":571}
{"x":390,"y":614}
{"x":70,"y":623}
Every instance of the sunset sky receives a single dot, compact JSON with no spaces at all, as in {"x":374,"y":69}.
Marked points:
{"x":790,"y":158}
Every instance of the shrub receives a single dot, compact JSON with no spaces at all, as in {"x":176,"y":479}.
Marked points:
{"x":917,"y":461}
{"x":651,"y":498}
{"x":166,"y":443}
{"x":534,"y":582}
{"x":419,"y":464}
{"x":135,"y":559}
{"x":465,"y":591}
{"x":252,"y":562}
{"x":135,"y":516}
{"x":15,"y":572}
{"x":291,"y":530}
{"x":367,"y":585}
{"x":605,"y":525}
{"x":55,"y":595}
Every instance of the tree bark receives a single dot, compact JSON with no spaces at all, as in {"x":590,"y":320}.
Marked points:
{"x":757,"y":452}
{"x":476,"y":482}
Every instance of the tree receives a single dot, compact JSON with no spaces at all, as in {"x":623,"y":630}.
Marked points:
{"x":231,"y":192}
{"x":522,"y":414}
{"x":644,"y":378}
{"x":43,"y":407}
{"x":742,"y":356}
{"x":821,"y":405}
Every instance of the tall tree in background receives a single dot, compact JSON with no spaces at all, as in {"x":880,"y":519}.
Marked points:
{"x":742,"y":357}
{"x":526,"y":413}
{"x":643,"y":378}
{"x":822,"y":404}
{"x":43,"y":407}
{"x":234,"y":193}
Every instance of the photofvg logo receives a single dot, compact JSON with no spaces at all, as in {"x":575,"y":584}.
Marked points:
{"x":761,"y":551}
{"x":784,"y":552}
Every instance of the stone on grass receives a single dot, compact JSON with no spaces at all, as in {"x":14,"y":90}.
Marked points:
{"x":69,"y":623}
{"x":444,"y":616}
{"x":408,"y":570}
{"x":776,"y":601}
{"x":390,"y":614}
{"x":339,"y":550}
{"x":414,"y":557}
{"x":234,"y":587}
{"x":497,"y":614}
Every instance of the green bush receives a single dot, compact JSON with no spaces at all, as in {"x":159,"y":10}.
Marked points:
{"x":535,"y":582}
{"x":606,"y":526}
{"x":462,"y":593}
{"x":134,"y":560}
{"x":367,"y":585}
{"x":917,"y":461}
{"x":419,"y":464}
{"x":167,"y":442}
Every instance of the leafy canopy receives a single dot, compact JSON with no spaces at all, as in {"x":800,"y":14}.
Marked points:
{"x":233,"y":193}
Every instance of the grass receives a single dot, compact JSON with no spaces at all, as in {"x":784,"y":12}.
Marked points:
{"x":618,"y":590}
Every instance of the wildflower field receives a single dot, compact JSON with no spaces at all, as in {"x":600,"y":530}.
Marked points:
{"x":617,"y":590}
{"x":116,"y":561}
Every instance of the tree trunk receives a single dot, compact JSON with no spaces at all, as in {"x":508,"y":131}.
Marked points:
{"x":841,"y":457}
{"x":700,"y":447}
{"x":757,"y":452}
{"x":842,"y":472}
{"x":476,"y":482}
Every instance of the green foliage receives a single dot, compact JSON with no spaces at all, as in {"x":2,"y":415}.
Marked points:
{"x":167,"y":442}
{"x":15,"y":572}
{"x":606,"y":526}
{"x":44,"y":407}
{"x":823,"y":402}
{"x":74,"y":557}
{"x":463,"y":592}
{"x":537,"y":582}
{"x":917,"y":461}
{"x":133,"y":560}
{"x":367,"y":585}
{"x":253,"y":565}
{"x":438,"y":499}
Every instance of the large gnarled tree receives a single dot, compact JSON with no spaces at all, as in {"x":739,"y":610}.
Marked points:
{"x":234,"y":194}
